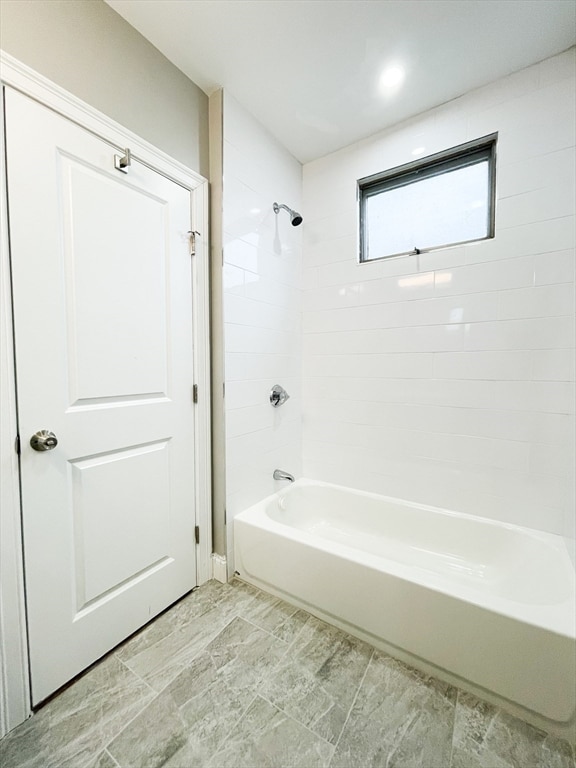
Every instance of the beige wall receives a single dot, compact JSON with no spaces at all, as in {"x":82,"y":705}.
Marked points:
{"x":87,"y":48}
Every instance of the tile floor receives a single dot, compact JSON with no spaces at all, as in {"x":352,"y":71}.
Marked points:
{"x":232,"y":677}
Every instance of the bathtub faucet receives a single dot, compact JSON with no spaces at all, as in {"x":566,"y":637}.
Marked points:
{"x":279,"y":474}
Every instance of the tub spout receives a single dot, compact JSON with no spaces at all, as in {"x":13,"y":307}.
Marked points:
{"x":279,"y":474}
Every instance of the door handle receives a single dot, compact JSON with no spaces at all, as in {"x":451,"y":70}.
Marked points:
{"x":44,"y":440}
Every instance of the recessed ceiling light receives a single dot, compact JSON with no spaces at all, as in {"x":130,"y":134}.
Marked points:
{"x":392,"y":77}
{"x":418,"y":151}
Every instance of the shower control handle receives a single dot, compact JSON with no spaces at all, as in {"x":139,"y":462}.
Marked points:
{"x":278,"y":396}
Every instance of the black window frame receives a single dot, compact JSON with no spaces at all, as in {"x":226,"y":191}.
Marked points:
{"x":461,"y":156}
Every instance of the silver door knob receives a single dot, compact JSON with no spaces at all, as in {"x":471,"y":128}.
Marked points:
{"x":44,"y":440}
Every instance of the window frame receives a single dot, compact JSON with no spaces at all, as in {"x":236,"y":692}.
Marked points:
{"x":461,"y":156}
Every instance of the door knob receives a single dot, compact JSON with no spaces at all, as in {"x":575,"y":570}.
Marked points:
{"x":44,"y":440}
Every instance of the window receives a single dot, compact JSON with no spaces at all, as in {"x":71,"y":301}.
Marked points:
{"x":441,"y":200}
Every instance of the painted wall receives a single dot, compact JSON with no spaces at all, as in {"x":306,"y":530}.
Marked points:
{"x":262,"y":274}
{"x":87,"y":48}
{"x":448,"y":378}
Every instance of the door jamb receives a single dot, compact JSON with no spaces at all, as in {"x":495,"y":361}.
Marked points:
{"x":15,"y":703}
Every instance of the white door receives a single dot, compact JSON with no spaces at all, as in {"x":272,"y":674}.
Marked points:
{"x":102,"y":287}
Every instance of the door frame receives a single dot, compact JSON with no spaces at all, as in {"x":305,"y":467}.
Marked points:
{"x":15,"y":701}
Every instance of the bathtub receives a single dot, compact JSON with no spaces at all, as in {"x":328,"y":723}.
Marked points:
{"x":486,"y":606}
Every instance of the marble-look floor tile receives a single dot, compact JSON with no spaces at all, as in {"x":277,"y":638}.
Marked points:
{"x":152,"y":737}
{"x":267,"y":738}
{"x":281,"y":619}
{"x":400,"y":718}
{"x":487,"y":737}
{"x":317,"y":680}
{"x":160,"y":663}
{"x":78,"y":723}
{"x":104,"y":760}
{"x":215,"y":690}
{"x":229,"y":599}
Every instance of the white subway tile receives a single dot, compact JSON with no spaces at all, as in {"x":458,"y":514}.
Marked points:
{"x":553,"y":202}
{"x":549,"y":460}
{"x":270,"y":291}
{"x":246,"y":393}
{"x":542,"y":237}
{"x":388,"y":366}
{"x":243,"y":311}
{"x":539,"y":301}
{"x":241,"y":254}
{"x":433,"y":338}
{"x":332,"y":250}
{"x":242,"y":421}
{"x":251,"y":339}
{"x":443,"y":258}
{"x":241,"y":365}
{"x":340,"y":223}
{"x":536,"y":333}
{"x":557,"y":267}
{"x":553,"y":365}
{"x":548,"y":428}
{"x":474,"y":451}
{"x":331,"y":297}
{"x":241,"y":476}
{"x":489,"y":276}
{"x":391,"y":289}
{"x":540,"y":172}
{"x":242,"y":207}
{"x":232,"y":279}
{"x":511,"y":365}
{"x":310,"y":279}
{"x":453,"y":309}
{"x":254,"y":444}
{"x":351,"y":271}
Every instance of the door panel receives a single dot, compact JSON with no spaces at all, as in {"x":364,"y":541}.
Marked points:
{"x":104,"y":356}
{"x":140,"y":275}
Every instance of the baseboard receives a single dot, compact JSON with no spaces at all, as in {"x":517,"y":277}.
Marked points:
{"x":219,"y":568}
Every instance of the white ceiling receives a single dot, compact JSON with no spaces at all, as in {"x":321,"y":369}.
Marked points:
{"x":309,"y":69}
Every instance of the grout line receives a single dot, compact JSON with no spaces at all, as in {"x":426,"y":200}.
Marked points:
{"x":112,"y":758}
{"x":353,"y":703}
{"x":127,"y":724}
{"x":271,"y":634}
{"x":139,"y":677}
{"x":299,"y":722}
{"x":454,"y":727}
{"x":235,"y":725}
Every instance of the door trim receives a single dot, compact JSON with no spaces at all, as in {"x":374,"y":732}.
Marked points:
{"x":15,"y":703}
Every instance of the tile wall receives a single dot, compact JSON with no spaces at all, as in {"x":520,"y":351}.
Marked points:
{"x":262,"y":274}
{"x":448,"y":378}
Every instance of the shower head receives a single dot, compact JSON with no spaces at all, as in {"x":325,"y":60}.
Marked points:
{"x":295,"y":217}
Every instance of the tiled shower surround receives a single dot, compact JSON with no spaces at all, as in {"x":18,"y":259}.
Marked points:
{"x":233,"y":678}
{"x":262,"y":273}
{"x":447,"y":378}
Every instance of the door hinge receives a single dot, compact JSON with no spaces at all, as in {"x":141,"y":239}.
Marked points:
{"x":195,"y":393}
{"x":197,"y":534}
{"x":193,"y":233}
{"x":17,"y":445}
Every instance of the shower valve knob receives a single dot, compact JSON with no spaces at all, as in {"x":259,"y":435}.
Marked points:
{"x":278,"y":396}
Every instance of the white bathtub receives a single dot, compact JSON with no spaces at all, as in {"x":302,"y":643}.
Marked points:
{"x":486,"y":606}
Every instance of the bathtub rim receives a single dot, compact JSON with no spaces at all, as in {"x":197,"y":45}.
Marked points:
{"x":558,"y":618}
